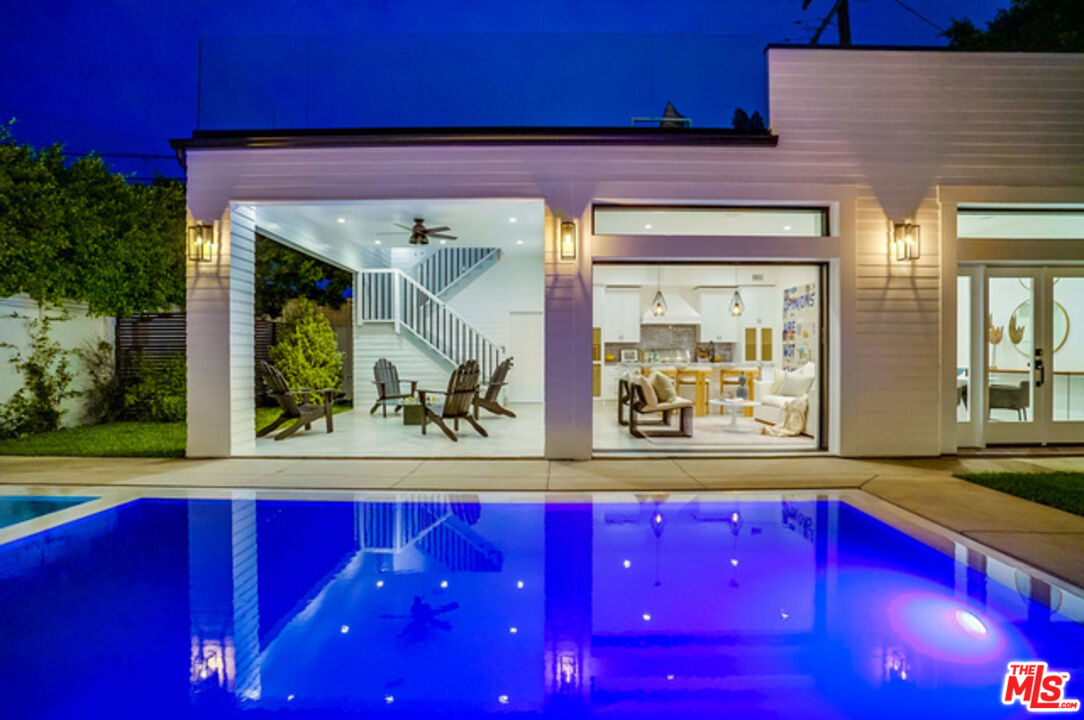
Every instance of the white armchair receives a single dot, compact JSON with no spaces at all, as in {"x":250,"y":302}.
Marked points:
{"x":774,"y":391}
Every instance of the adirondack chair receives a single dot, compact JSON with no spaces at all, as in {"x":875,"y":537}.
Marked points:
{"x":458,"y":399}
{"x":389,"y":386}
{"x":493,"y":390}
{"x":294,"y":405}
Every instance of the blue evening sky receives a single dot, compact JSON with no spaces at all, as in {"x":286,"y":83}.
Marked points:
{"x":124,"y":76}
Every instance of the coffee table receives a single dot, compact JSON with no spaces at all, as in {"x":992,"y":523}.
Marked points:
{"x":731,"y":406}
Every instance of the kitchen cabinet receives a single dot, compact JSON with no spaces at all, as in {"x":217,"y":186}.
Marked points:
{"x":621,"y":312}
{"x":716,"y":322}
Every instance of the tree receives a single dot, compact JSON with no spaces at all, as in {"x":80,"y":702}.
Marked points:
{"x":1026,"y":25}
{"x":306,"y":352}
{"x":79,"y":232}
{"x":741,"y":121}
{"x":283,"y":274}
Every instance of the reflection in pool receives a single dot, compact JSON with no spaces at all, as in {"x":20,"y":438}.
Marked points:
{"x":443,"y":605}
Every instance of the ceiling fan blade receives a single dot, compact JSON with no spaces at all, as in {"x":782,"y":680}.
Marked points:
{"x":405,"y":227}
{"x":442,"y":228}
{"x":442,"y":236}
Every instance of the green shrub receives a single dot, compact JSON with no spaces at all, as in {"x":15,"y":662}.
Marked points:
{"x":159,"y":393}
{"x":36,"y":407}
{"x":103,"y":399}
{"x":306,"y":352}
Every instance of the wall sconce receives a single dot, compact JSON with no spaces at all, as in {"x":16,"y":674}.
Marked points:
{"x":905,"y":241}
{"x":202,"y":242}
{"x":567,"y":240}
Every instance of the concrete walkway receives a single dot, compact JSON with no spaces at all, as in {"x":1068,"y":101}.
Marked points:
{"x":1049,"y":539}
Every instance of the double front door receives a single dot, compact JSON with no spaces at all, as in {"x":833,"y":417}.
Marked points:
{"x":1022,"y":380}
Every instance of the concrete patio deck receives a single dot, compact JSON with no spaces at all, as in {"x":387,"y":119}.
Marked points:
{"x":1046,"y":538}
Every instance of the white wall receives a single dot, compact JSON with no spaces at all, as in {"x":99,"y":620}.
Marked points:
{"x":78,"y":331}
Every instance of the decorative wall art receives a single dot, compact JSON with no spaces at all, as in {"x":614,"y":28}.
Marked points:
{"x":799,"y":326}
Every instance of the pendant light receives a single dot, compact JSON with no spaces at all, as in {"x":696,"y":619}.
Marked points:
{"x":737,"y":305}
{"x":658,"y":304}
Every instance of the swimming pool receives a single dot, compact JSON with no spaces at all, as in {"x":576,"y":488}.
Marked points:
{"x":20,"y":508}
{"x":450,"y":605}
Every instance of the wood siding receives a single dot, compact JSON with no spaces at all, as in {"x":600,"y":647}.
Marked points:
{"x":871,"y":134}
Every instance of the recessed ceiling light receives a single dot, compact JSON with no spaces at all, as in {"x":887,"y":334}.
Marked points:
{"x":340,"y":220}
{"x":442,"y":242}
{"x":786,"y":227}
{"x":519,"y":242}
{"x":647,"y":226}
{"x":511,"y":219}
{"x":376,"y":242}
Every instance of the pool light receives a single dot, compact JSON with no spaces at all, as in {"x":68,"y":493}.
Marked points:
{"x":380,"y":583}
{"x":344,"y":629}
{"x":502,"y":699}
{"x":971,"y":624}
{"x":627,"y":564}
{"x":519,"y":584}
{"x":733,"y":562}
{"x":513,"y":629}
{"x":444,"y":583}
{"x":389,"y":699}
{"x":647,"y":617}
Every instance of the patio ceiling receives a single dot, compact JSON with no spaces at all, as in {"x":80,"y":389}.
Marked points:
{"x":340,"y":231}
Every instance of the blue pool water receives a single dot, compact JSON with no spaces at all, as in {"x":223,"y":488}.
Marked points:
{"x":17,"y":509}
{"x":446,"y":606}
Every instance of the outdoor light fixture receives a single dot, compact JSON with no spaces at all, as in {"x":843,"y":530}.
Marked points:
{"x":567,"y":242}
{"x":904,"y":242}
{"x":202,"y":242}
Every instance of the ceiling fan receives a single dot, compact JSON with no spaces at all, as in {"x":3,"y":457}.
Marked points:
{"x":420,"y":234}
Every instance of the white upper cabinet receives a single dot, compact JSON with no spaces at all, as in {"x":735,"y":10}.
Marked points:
{"x":621,"y":314}
{"x":716,"y":322}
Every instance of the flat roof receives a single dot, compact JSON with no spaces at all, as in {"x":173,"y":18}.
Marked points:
{"x":376,"y":137}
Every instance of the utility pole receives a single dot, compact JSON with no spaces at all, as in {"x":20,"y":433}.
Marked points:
{"x":842,"y":13}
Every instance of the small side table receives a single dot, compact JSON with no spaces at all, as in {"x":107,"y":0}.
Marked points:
{"x":732,"y":407}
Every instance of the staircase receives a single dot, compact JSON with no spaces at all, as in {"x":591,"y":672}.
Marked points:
{"x":449,"y":270}
{"x":390,"y":295}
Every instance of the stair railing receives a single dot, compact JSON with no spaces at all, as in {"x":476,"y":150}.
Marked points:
{"x":442,"y":269}
{"x":390,"y":295}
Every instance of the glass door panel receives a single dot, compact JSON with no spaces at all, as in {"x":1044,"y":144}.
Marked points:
{"x":1065,"y":319}
{"x":1012,"y":344}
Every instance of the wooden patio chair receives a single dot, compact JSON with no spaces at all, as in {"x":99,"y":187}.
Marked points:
{"x":458,"y":399}
{"x":389,"y":386}
{"x":491,"y":401}
{"x":294,"y":405}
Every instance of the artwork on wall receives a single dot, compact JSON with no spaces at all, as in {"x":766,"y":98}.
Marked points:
{"x":799,"y":326}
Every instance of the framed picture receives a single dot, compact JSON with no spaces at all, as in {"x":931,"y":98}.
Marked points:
{"x":630,"y":355}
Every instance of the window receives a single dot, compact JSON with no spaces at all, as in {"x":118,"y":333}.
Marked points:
{"x":1020,"y":223}
{"x":710,"y":220}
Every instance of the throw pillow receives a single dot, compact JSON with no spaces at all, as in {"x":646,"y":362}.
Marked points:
{"x":795,"y":384}
{"x":777,"y":381}
{"x":664,"y":387}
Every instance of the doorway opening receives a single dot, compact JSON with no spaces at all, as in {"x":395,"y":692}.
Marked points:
{"x":708,"y":357}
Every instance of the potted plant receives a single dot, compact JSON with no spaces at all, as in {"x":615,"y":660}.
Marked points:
{"x":412,"y":411}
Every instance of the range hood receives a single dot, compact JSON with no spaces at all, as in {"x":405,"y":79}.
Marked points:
{"x":678,"y":311}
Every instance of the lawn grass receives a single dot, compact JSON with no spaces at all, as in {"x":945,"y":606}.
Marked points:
{"x":120,"y":439}
{"x":116,"y":439}
{"x":1063,"y":490}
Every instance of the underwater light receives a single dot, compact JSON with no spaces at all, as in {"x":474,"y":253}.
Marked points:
{"x":970,"y":623}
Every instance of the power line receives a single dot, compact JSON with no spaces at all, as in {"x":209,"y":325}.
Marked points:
{"x":920,"y":16}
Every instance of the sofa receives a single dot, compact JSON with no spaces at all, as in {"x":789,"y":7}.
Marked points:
{"x":776,"y":387}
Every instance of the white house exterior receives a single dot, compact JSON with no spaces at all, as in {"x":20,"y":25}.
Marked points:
{"x":873,"y":137}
